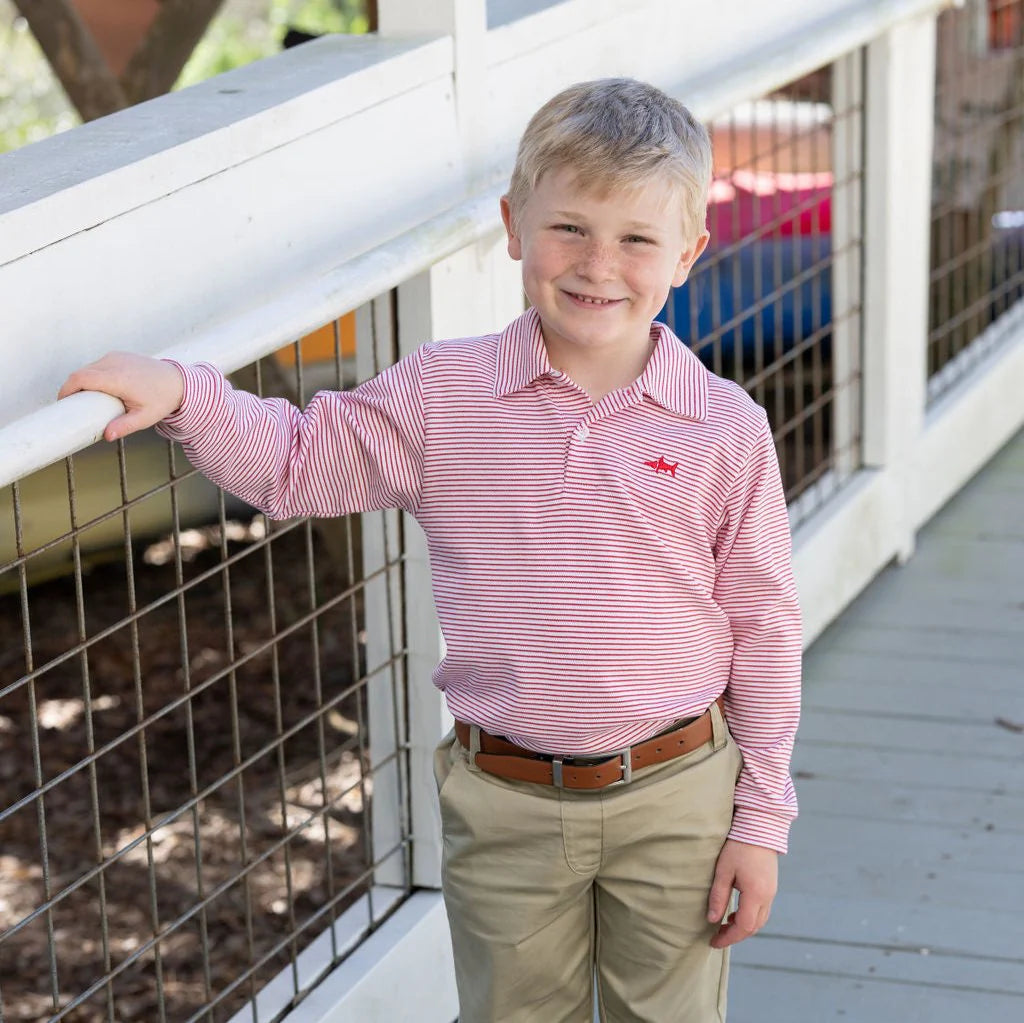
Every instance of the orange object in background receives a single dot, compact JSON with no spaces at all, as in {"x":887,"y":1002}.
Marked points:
{"x":117,"y":26}
{"x":318,"y":346}
{"x":1005,"y":24}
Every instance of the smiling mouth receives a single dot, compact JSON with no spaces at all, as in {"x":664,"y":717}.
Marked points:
{"x":591,"y":300}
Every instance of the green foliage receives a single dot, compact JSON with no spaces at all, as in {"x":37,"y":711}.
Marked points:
{"x":321,"y":16}
{"x":33,"y":105}
{"x":236,"y":38}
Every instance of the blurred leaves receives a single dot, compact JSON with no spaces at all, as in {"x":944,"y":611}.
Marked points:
{"x":33,"y":105}
{"x":247,"y":31}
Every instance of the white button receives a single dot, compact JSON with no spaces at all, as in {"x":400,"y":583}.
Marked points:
{"x":581,"y":433}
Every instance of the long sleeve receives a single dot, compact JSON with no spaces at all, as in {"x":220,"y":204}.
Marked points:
{"x":755,"y":587}
{"x":346,"y":451}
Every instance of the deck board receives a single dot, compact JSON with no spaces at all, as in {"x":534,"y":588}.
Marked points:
{"x":902,"y":898}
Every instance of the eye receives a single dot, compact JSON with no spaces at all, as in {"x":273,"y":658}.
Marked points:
{"x":640,"y":239}
{"x":569,"y":228}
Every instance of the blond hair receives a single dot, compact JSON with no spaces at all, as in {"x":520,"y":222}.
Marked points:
{"x":616,"y":133}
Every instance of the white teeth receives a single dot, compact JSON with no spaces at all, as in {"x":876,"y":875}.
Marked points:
{"x":595,"y":301}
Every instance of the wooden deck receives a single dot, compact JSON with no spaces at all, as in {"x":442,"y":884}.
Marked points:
{"x":902,"y":898}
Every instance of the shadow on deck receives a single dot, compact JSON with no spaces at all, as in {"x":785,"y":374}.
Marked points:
{"x":902,"y":898}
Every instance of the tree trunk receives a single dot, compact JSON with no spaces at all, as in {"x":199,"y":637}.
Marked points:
{"x":155,"y":67}
{"x":74,"y":56}
{"x":83,"y":71}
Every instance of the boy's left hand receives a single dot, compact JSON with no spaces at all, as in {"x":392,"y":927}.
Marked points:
{"x":754,"y":872}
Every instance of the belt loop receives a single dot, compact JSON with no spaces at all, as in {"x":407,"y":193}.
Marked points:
{"x":719,"y":733}
{"x":474,"y":747}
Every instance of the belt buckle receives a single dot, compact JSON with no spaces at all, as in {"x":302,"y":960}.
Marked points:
{"x":625,"y":763}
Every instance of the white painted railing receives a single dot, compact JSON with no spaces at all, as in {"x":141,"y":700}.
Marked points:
{"x":221,"y":222}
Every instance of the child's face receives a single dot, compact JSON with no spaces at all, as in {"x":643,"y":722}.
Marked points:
{"x":598,"y":266}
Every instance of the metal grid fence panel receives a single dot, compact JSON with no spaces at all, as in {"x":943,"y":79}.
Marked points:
{"x":977,"y":233}
{"x":187,"y":770}
{"x":774,"y":303}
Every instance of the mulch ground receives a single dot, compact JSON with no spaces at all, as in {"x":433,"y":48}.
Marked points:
{"x":93,"y":815}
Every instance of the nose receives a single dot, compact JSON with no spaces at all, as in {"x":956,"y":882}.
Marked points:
{"x":597,"y":262}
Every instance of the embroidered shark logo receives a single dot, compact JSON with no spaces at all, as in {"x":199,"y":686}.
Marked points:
{"x":660,"y":465}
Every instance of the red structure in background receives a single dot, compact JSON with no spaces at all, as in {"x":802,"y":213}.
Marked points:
{"x":764,"y":205}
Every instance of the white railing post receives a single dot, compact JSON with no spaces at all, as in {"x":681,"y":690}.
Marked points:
{"x":382,"y":610}
{"x":847,"y":249}
{"x":899,"y":125}
{"x":474,"y":291}
{"x":466,"y":22}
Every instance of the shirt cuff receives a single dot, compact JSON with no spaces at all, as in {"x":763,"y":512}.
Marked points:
{"x":203,"y":390}
{"x":758,"y":827}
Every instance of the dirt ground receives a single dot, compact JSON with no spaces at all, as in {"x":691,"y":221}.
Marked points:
{"x":92,"y":815}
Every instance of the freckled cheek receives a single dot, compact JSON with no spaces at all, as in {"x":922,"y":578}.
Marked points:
{"x":643,"y":279}
{"x":546,"y":266}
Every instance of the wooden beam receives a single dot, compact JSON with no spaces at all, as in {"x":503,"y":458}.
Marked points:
{"x":74,"y":56}
{"x":175,"y":33}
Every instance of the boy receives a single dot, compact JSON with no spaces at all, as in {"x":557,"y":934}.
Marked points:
{"x":611,"y":566}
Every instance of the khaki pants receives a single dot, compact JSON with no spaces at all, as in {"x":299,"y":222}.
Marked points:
{"x":544,"y":885}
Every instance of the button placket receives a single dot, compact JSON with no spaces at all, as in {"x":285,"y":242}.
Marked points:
{"x":582,"y":434}
{"x":569,"y":400}
{"x":577,"y":456}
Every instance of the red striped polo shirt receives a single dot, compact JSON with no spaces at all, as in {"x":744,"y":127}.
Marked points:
{"x":600,"y":570}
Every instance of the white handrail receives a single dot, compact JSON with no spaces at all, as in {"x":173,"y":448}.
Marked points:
{"x":834,"y":36}
{"x":60,"y":429}
{"x":50,"y":433}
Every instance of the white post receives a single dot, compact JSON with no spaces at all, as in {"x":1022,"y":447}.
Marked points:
{"x":899,"y":122}
{"x":847,"y":169}
{"x":466,"y":22}
{"x":383,"y":612}
{"x":476,"y":291}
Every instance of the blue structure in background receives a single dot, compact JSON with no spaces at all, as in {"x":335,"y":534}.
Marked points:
{"x":779,"y":292}
{"x":775,"y":293}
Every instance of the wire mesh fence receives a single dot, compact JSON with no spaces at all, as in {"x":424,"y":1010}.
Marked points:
{"x":774,"y":303}
{"x":977,"y":234}
{"x":202,"y":714}
{"x":189,"y":780}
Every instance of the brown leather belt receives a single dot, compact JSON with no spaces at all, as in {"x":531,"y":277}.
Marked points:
{"x":505,"y":759}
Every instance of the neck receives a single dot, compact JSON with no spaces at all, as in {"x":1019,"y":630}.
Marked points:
{"x":599,"y":371}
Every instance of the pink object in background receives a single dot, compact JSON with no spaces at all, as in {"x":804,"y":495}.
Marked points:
{"x":762,"y":205}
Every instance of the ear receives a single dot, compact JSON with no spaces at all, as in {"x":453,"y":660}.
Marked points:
{"x":688,"y":258}
{"x":515,"y":245}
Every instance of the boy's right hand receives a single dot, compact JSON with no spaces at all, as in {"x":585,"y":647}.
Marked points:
{"x":150,"y":389}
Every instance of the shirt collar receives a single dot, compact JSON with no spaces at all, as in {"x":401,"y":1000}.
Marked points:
{"x":522,"y":357}
{"x":674,"y":377}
